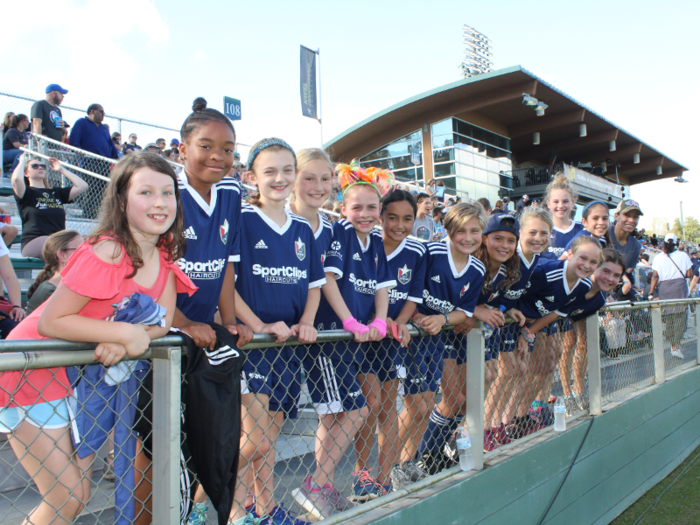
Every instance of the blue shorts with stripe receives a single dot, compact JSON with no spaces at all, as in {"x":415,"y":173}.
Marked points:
{"x":333,"y":385}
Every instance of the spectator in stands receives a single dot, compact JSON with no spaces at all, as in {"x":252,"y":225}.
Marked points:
{"x":160,"y":144}
{"x":498,"y":207}
{"x":6,"y":122}
{"x":14,"y":293}
{"x":486,"y":204}
{"x":47,"y":118}
{"x":438,"y":228}
{"x":117,"y":139}
{"x":91,"y":135}
{"x":654,"y":240}
{"x":671,"y":268}
{"x":522,"y":204}
{"x":175,"y":145}
{"x":152,"y":147}
{"x":131,"y":146}
{"x":58,"y":247}
{"x":626,"y":219}
{"x":682,"y":247}
{"x":14,"y":138}
{"x":423,"y":226}
{"x":41,"y":207}
{"x":695,"y":261}
{"x":506,"y":205}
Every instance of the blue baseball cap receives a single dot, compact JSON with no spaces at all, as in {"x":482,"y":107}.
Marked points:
{"x":55,"y":87}
{"x":175,"y":141}
{"x":499,"y":222}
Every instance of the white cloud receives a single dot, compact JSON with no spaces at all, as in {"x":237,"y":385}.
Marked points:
{"x":88,"y":40}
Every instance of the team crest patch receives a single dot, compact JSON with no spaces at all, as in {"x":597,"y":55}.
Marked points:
{"x":223,"y":231}
{"x":464,"y":289}
{"x":493,"y":296}
{"x":404,"y":274}
{"x":300,"y":249}
{"x":335,"y":246}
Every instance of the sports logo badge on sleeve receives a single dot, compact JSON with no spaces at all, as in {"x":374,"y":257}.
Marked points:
{"x":300,"y":249}
{"x":464,"y":289}
{"x":335,"y":246}
{"x":404,"y":276}
{"x":223,"y":231}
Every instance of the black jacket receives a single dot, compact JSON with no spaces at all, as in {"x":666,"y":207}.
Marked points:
{"x":212,"y":398}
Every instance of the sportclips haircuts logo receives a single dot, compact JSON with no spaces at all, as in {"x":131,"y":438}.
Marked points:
{"x":439,"y":305}
{"x":281,"y":275}
{"x":202,"y":270}
{"x":367,"y":286}
{"x":396,"y":296}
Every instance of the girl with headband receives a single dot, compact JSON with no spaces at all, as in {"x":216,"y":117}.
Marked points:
{"x":278,"y":290}
{"x":355,"y":298}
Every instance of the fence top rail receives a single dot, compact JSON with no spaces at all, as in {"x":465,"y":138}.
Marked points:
{"x":82,"y":152}
{"x":626,"y":305}
{"x":65,"y":164}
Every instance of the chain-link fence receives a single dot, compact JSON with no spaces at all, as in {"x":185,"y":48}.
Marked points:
{"x":326,"y":428}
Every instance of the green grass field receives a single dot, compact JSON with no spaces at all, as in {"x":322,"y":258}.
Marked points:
{"x":679,"y":505}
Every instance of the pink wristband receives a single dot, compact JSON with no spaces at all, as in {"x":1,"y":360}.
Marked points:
{"x":380,"y":325}
{"x":353,"y":325}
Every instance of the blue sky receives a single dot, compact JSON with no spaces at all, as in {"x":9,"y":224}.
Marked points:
{"x":633,"y":62}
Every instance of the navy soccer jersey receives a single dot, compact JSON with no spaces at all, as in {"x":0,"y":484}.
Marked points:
{"x":549,"y":290}
{"x":323,"y":235}
{"x":359,"y":270}
{"x":407,"y":266}
{"x":211,"y":231}
{"x":522,"y":287}
{"x":278,"y":265}
{"x":446,"y":289}
{"x":583,"y":308}
{"x":559,"y":239}
{"x":494,"y":295}
{"x":601,"y":240}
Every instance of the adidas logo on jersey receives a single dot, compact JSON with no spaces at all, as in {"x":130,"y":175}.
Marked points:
{"x":189,"y":234}
{"x":357,"y":257}
{"x":436,"y":278}
{"x":261,"y":245}
{"x":550,"y":298}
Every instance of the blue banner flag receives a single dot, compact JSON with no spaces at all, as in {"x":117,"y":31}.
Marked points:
{"x":309,"y":107}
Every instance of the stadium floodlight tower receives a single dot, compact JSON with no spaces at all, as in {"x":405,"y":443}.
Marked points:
{"x":477,"y":53}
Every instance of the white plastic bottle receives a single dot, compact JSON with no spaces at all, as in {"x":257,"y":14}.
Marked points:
{"x":464,"y":447}
{"x":559,"y":415}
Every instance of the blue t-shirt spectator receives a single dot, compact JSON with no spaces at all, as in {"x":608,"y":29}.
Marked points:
{"x":93,"y":138}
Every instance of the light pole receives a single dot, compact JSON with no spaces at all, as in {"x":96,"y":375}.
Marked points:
{"x":682,"y":225}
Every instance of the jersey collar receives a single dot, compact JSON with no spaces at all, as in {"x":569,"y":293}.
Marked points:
{"x":523,"y":259}
{"x":571,"y":227}
{"x":453,"y":268}
{"x":207,"y":208}
{"x":566,"y":283}
{"x":397,"y":250}
{"x":369,"y":242}
{"x":272,"y":224}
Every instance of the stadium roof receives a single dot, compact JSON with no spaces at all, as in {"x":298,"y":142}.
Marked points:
{"x":498,"y":96}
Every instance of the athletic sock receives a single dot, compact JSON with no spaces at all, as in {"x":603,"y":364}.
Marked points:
{"x":436,"y":434}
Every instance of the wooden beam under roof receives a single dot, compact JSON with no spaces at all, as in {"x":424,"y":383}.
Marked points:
{"x":547,"y":122}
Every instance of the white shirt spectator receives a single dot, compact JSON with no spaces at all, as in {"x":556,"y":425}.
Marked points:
{"x":663,"y":265}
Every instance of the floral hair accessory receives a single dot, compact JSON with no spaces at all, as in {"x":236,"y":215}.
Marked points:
{"x":350,"y":174}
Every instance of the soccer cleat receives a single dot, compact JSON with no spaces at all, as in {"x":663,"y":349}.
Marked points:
{"x":676,"y":352}
{"x":321,"y":502}
{"x":281,"y":516}
{"x":433,"y":463}
{"x":366,"y":487}
{"x":405,"y":473}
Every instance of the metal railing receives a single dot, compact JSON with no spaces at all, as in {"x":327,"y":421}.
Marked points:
{"x":396,"y":420}
{"x":534,"y":176}
{"x":146,"y":132}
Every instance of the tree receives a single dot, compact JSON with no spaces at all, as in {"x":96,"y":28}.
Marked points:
{"x":692,"y":229}
{"x":659,"y":226}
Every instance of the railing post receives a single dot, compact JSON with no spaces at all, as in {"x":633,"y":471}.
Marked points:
{"x":166,"y":435}
{"x":697,"y":332}
{"x":595,"y":384}
{"x":475,"y":394}
{"x":657,"y":328}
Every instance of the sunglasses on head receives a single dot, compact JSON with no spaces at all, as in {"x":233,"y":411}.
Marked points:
{"x":36,"y":166}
